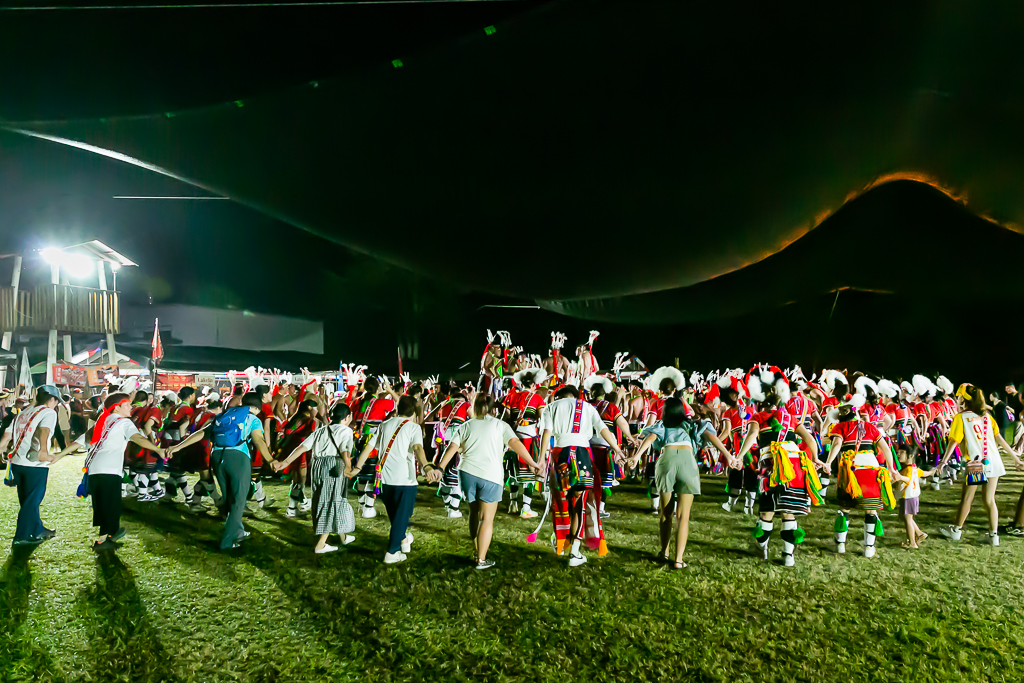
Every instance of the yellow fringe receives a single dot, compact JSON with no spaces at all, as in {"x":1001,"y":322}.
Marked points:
{"x":782,"y":466}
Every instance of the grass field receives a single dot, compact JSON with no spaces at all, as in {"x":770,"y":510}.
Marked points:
{"x":170,"y":607}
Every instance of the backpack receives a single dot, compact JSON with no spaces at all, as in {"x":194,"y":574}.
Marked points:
{"x":227,"y":427}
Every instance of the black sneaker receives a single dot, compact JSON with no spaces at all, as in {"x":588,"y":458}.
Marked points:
{"x":31,"y":540}
{"x":108,"y":544}
{"x":47,"y":534}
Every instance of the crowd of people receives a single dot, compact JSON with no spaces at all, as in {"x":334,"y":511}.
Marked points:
{"x":548,"y":435}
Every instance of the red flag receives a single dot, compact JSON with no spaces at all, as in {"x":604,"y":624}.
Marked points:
{"x":158,"y":347}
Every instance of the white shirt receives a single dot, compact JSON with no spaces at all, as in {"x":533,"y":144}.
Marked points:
{"x":109,"y":458}
{"x":484,"y":442}
{"x":399,"y":468}
{"x":28,"y":450}
{"x":558,"y":417}
{"x":319,"y":442}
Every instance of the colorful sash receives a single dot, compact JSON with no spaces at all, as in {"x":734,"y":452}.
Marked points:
{"x":22,"y":430}
{"x":384,"y":456}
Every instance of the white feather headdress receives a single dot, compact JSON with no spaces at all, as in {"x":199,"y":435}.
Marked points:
{"x":923,"y":386}
{"x":539,"y":375}
{"x":754,"y":389}
{"x":608,"y":385}
{"x":862,"y":384}
{"x":908,"y":387}
{"x":829,"y":377}
{"x":887,"y":388}
{"x":942,"y":383}
{"x":666,"y":372}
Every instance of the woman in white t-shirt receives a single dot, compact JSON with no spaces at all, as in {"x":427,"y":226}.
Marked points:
{"x":975,"y":431}
{"x":105,"y":462}
{"x":29,"y":437}
{"x":483,"y":441}
{"x":399,"y":445}
{"x":331,"y":447}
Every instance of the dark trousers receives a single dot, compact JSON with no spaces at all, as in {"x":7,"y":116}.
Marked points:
{"x":233,"y":470}
{"x":105,"y":490}
{"x":399,"y":501}
{"x":31,"y":483}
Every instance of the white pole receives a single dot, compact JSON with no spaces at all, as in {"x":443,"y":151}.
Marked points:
{"x":8,"y":336}
{"x":111,"y":348}
{"x":51,"y":346}
{"x":67,"y":337}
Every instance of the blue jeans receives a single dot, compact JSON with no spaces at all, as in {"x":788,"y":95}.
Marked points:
{"x":31,"y":482}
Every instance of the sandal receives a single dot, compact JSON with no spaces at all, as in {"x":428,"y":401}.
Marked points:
{"x":906,"y":545}
{"x":921,"y":536}
{"x":1015,"y":531}
{"x":679,"y":565}
{"x":663,"y":559}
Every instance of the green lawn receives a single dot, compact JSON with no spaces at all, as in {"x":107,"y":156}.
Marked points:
{"x":170,"y":607}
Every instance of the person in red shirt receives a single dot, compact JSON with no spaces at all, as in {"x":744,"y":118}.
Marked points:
{"x":197,"y":455}
{"x":743,"y":481}
{"x":522,"y":411}
{"x":302,"y":424}
{"x":176,"y":424}
{"x":453,"y":412}
{"x":147,"y":418}
{"x":373,"y":407}
{"x":787,"y":464}
{"x":866,"y":472}
{"x":599,"y":390}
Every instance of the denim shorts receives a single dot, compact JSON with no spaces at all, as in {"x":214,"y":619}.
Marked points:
{"x":477,"y":489}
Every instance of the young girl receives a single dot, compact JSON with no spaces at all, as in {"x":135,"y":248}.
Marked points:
{"x":910,"y":495}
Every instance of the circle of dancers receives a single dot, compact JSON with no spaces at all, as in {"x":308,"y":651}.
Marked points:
{"x":549,"y":437}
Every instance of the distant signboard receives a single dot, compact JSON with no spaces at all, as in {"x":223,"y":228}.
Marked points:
{"x":206,"y":379}
{"x":173,"y":380}
{"x":71,"y":375}
{"x":97,"y":374}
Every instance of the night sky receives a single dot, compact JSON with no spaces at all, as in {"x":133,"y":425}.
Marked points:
{"x":635,"y":165}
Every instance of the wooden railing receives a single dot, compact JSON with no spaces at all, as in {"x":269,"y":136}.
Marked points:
{"x":64,"y":308}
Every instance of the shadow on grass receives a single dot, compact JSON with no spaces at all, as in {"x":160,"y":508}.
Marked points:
{"x":123,"y":645}
{"x":22,"y":657}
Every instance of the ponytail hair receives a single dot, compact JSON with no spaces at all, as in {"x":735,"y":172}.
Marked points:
{"x":976,"y":400}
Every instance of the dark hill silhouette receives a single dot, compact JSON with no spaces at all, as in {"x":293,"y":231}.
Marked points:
{"x":904,"y":239}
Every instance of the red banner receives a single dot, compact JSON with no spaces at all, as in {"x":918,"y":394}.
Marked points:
{"x":71,"y":375}
{"x":173,"y":381}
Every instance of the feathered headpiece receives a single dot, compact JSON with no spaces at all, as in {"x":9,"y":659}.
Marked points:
{"x":653,"y":382}
{"x":557,"y":340}
{"x":539,"y":375}
{"x":254,"y":377}
{"x":829,"y":377}
{"x":923,"y":386}
{"x":887,"y":388}
{"x":944,"y":384}
{"x":862,"y":384}
{"x":908,"y":387}
{"x":608,"y":385}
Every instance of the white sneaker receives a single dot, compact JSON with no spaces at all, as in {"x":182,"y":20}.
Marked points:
{"x":763,"y":549}
{"x":577,"y":560}
{"x":266,"y":503}
{"x":527,"y":513}
{"x":869,"y":551}
{"x":290,"y":512}
{"x":840,"y":548}
{"x":307,"y":505}
{"x":727,"y":506}
{"x":615,"y":482}
{"x":326,"y":549}
{"x":454,"y":514}
{"x":407,"y":543}
{"x":993,"y":539}
{"x":369,"y":511}
{"x":348,"y":539}
{"x":951,"y":532}
{"x":789,"y":561}
{"x":394,"y":558}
